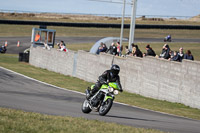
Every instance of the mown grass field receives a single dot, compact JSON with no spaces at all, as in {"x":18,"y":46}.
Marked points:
{"x":26,"y":30}
{"x":15,"y":121}
{"x":11,"y":62}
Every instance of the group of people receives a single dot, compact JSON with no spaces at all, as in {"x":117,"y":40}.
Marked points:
{"x":166,"y":52}
{"x":114,"y":49}
{"x":62,"y":46}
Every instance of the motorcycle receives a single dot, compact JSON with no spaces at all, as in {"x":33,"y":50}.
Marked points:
{"x":168,"y":39}
{"x":3,"y":49}
{"x":102,"y":101}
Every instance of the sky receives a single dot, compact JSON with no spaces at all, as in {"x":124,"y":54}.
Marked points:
{"x":144,"y":7}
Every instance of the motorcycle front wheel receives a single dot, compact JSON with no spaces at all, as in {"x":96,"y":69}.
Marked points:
{"x":105,"y":107}
{"x":85,"y":107}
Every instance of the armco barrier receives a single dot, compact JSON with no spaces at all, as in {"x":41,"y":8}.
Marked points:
{"x":149,"y":76}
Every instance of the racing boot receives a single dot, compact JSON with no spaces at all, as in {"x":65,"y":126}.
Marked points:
{"x":89,"y":93}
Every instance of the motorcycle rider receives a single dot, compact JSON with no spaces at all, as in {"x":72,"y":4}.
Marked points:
{"x":108,"y":76}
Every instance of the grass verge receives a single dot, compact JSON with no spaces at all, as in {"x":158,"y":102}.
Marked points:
{"x":26,"y":30}
{"x":11,"y":62}
{"x":25,"y":122}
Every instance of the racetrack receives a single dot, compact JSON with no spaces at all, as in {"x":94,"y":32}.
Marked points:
{"x":19,"y":92}
{"x":25,"y":42}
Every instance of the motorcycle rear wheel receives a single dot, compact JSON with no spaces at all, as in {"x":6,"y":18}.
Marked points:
{"x":85,"y":107}
{"x":105,"y":107}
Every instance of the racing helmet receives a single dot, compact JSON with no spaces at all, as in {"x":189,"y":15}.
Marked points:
{"x":115,"y":69}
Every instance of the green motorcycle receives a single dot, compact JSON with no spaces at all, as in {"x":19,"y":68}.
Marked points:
{"x":102,"y":101}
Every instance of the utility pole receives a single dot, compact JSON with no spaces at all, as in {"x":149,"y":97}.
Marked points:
{"x":122,"y":26}
{"x":132,"y":25}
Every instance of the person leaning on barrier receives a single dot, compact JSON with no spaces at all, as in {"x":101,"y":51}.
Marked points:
{"x":102,"y":48}
{"x":165,"y":52}
{"x":150,"y":51}
{"x":188,"y":55}
{"x":174,"y":56}
{"x":128,"y":52}
{"x":112,"y":49}
{"x":136,"y":51}
{"x":181,"y":54}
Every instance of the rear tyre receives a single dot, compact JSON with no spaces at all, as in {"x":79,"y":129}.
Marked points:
{"x":105,"y":107}
{"x":85,"y":107}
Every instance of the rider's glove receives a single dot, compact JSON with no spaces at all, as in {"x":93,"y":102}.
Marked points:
{"x":104,"y":82}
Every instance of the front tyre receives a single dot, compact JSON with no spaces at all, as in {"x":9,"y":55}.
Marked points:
{"x":105,"y":107}
{"x":85,"y":107}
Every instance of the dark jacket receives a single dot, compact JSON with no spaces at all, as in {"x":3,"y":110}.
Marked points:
{"x":176,"y":58}
{"x":165,"y":54}
{"x":112,"y":49}
{"x":107,"y":77}
{"x":189,"y":57}
{"x":150,"y":52}
{"x":138,"y":53}
{"x":181,"y":56}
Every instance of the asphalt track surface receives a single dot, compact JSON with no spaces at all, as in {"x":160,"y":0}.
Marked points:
{"x":25,"y":42}
{"x":19,"y":92}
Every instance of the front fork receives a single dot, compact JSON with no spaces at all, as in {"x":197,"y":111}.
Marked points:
{"x":108,"y":97}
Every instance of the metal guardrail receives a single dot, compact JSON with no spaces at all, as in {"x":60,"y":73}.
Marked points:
{"x":99,"y":25}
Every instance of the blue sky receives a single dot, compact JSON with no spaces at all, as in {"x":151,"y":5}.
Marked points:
{"x":144,"y":7}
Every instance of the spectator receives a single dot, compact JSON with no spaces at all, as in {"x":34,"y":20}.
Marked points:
{"x":61,"y":44}
{"x":112,"y":49}
{"x":165,"y":52}
{"x":188,"y":55}
{"x":133,"y":48}
{"x":58,"y":44}
{"x":150,"y":51}
{"x":133,"y":45}
{"x":37,"y":37}
{"x":128,"y":52}
{"x":174,"y":56}
{"x":136,"y":51}
{"x":102,"y":48}
{"x":62,"y":47}
{"x":181,"y":54}
{"x":119,"y":49}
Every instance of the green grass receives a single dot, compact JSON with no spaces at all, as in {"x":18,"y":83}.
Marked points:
{"x":26,"y":30}
{"x":15,"y":121}
{"x":11,"y":62}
